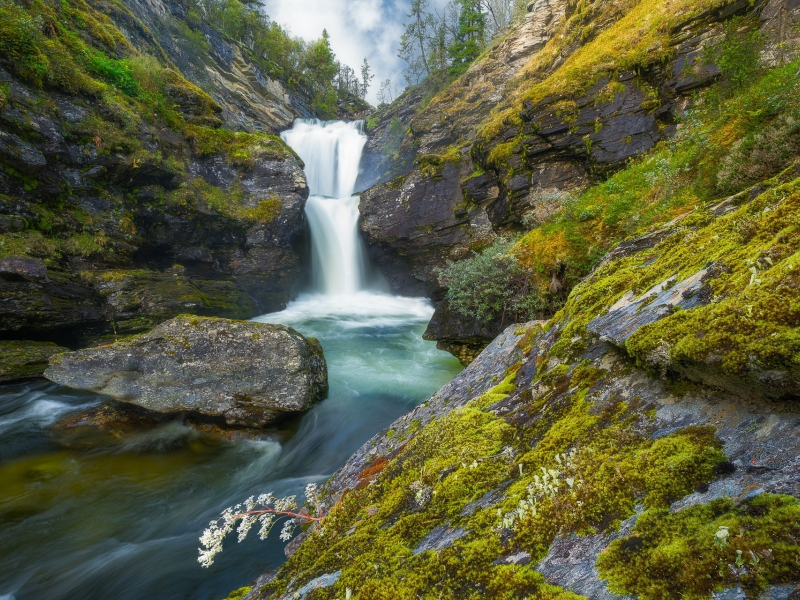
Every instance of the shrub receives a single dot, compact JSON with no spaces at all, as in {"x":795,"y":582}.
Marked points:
{"x":760,"y":154}
{"x":116,"y":72}
{"x":493,"y":284}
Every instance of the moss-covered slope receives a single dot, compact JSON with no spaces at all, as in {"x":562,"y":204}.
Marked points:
{"x":556,"y":466}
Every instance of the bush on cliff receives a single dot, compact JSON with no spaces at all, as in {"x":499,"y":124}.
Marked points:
{"x":492,"y":284}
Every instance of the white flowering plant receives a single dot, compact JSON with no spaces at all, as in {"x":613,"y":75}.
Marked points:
{"x":266,"y":510}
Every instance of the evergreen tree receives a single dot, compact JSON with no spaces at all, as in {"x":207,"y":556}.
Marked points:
{"x":470,"y":36}
{"x":414,"y":45}
{"x":366,"y":78}
{"x":321,"y":62}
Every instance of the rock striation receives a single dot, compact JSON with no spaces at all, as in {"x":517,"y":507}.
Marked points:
{"x":244,"y":374}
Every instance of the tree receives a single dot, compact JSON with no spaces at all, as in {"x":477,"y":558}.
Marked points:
{"x":415,"y":43}
{"x":320,"y":63}
{"x":366,"y":78}
{"x":501,"y":12}
{"x":470,"y":37}
{"x":386,"y":92}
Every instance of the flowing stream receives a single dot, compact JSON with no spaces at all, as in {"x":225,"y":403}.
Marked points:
{"x":101,"y":517}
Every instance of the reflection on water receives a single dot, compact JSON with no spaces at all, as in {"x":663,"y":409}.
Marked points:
{"x":118,"y":517}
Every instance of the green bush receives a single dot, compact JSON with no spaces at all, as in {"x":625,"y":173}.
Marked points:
{"x":493,"y":284}
{"x":116,"y":72}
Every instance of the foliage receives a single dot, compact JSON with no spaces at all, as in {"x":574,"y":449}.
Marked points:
{"x":116,"y":72}
{"x":492,"y":284}
{"x":470,"y":36}
{"x":705,"y":548}
{"x":737,"y":55}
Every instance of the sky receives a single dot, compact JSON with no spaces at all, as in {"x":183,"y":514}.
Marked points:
{"x":358,"y":29}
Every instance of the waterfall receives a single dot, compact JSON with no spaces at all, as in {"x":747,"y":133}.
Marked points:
{"x":331,"y":152}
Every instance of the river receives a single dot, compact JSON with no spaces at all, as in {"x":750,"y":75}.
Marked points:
{"x":100,"y":517}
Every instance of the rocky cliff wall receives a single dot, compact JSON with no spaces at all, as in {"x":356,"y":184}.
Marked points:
{"x":517,"y":131}
{"x":122,"y":201}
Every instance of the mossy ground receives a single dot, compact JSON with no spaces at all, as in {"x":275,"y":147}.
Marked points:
{"x":564,"y":461}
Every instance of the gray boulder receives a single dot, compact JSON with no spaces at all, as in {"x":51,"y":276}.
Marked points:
{"x":246,"y":374}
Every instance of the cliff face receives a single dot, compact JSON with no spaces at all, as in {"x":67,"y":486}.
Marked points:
{"x":250,"y":99}
{"x":122,"y":201}
{"x":568,"y":96}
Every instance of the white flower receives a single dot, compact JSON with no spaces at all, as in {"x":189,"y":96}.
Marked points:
{"x":288,"y":529}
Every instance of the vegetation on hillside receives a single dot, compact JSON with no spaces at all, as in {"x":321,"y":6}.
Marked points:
{"x":741,"y":131}
{"x":301,"y":65}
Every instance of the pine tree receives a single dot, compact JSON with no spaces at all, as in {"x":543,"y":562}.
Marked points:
{"x":414,"y":45}
{"x":470,"y":37}
{"x":366,"y":78}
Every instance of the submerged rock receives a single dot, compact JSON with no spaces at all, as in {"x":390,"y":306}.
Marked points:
{"x":246,"y":374}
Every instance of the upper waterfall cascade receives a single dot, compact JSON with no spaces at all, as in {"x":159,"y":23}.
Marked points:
{"x":331,"y":152}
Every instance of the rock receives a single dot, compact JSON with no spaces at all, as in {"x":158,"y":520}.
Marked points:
{"x":111,"y":416}
{"x":321,"y":582}
{"x":439,"y":538}
{"x":21,"y":155}
{"x":464,"y":337}
{"x":23,"y":268}
{"x":246,"y":374}
{"x":414,"y":228}
{"x":24,"y":359}
{"x":60,"y":307}
{"x":138,"y":299}
{"x":629,"y":314}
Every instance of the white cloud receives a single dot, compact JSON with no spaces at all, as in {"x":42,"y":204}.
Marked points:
{"x":358,"y":29}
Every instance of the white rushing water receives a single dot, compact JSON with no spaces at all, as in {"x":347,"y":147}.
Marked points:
{"x":332,"y":153}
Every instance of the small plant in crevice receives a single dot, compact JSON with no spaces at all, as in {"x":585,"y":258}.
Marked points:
{"x":266,"y":510}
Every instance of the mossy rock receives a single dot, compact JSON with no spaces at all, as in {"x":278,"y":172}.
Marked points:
{"x":25,"y":359}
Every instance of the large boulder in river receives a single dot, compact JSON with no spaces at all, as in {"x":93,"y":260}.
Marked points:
{"x":244,"y":373}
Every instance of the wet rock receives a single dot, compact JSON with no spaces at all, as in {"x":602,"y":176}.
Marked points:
{"x":570,"y":563}
{"x":24,"y":359}
{"x":418,"y":221}
{"x":246,"y":374}
{"x":140,"y":299}
{"x":440,"y":538}
{"x":21,"y":155}
{"x":114,"y":417}
{"x":23,"y":268}
{"x":629,"y":314}
{"x":31,"y":308}
{"x":321,"y":582}
{"x":464,"y":337}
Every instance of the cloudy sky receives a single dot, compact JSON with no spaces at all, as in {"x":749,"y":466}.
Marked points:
{"x":358,"y":29}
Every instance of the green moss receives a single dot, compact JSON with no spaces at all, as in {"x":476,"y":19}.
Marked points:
{"x":23,"y":359}
{"x":680,"y":554}
{"x":242,"y":149}
{"x":239,"y":594}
